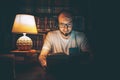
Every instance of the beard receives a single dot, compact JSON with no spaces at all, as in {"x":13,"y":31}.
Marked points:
{"x":66,"y":34}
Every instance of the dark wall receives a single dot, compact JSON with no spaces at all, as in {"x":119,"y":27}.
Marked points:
{"x":7,"y":14}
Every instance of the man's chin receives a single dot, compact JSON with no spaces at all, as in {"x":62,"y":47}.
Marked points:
{"x":66,"y":34}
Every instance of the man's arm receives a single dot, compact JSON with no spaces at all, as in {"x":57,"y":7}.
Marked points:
{"x":42,"y":57}
{"x":86,"y":48}
{"x":45,"y":50}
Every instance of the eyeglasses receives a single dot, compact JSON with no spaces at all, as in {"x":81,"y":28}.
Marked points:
{"x":62,"y":25}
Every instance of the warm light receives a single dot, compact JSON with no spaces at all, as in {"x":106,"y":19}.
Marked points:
{"x":24,"y":23}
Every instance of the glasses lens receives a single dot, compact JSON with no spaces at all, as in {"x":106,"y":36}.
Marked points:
{"x":65,"y":25}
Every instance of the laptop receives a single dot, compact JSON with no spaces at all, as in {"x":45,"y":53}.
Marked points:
{"x":56,"y":61}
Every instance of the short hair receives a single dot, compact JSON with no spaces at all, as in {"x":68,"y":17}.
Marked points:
{"x":65,"y":11}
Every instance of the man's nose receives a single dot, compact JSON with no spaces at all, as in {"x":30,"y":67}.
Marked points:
{"x":65,"y":28}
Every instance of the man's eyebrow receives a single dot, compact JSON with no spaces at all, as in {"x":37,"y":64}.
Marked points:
{"x":67,"y":23}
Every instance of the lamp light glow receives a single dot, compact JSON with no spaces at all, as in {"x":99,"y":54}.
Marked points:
{"x":24,"y":23}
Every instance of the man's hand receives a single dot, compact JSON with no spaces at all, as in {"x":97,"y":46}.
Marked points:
{"x":43,"y":61}
{"x":42,"y":58}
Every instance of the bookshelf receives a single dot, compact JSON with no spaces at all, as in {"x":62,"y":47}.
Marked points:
{"x":45,"y":12}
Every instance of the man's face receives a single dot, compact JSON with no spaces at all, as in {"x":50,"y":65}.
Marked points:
{"x":65,"y":24}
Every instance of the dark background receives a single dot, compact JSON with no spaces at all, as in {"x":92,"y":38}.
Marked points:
{"x":99,"y":17}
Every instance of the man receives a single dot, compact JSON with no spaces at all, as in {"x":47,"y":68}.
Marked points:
{"x":64,"y":39}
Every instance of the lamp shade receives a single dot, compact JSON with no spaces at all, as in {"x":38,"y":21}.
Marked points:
{"x":24,"y":23}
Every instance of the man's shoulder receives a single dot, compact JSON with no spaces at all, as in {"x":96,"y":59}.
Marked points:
{"x":78,"y":32}
{"x":79,"y":35}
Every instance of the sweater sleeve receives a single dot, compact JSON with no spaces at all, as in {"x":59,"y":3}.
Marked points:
{"x":47,"y":42}
{"x":84,"y":44}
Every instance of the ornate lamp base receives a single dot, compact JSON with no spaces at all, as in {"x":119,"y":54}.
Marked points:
{"x":24,"y":43}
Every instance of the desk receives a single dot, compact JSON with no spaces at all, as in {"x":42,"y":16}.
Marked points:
{"x":24,"y":59}
{"x":25,"y":56}
{"x":37,"y":73}
{"x":34,"y":72}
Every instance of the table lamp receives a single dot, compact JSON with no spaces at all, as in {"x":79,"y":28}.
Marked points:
{"x":24,"y":23}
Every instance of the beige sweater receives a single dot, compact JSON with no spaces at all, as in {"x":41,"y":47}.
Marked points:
{"x":56,"y":43}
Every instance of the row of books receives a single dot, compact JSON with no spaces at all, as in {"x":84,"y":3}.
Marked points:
{"x":53,"y":2}
{"x":42,"y":6}
{"x":38,"y":41}
{"x":45,"y":24}
{"x":50,"y":10}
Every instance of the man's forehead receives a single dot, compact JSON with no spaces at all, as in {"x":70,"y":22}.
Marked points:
{"x":65,"y":17}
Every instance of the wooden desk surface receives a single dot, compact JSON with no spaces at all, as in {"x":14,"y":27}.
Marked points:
{"x":33,"y":73}
{"x":28,"y":56}
{"x":28,"y":51}
{"x":37,"y":73}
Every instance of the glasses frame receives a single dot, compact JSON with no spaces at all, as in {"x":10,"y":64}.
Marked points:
{"x":68,"y":25}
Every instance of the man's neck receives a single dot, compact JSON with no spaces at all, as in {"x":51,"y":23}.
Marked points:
{"x":65,"y":37}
